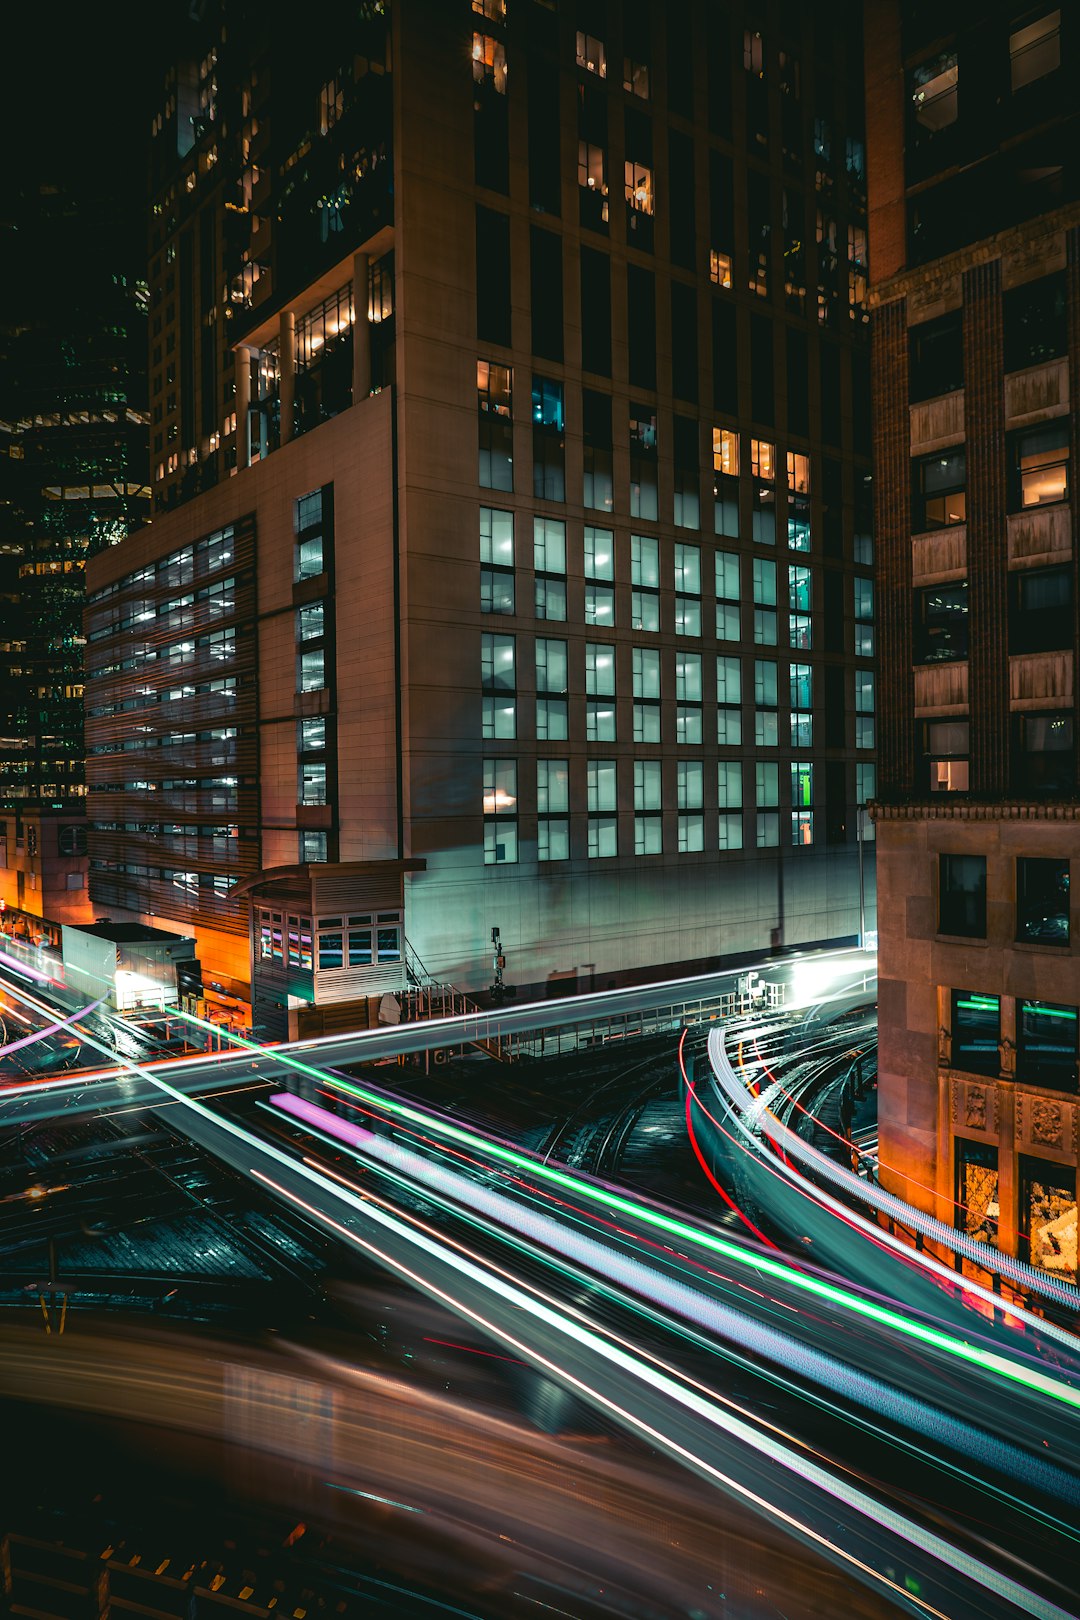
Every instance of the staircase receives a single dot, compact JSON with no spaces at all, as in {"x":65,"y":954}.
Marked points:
{"x":427,"y":997}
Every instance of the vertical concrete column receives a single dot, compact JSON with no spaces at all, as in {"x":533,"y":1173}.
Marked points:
{"x":361,"y":354}
{"x":287,"y":372}
{"x":242,"y":363}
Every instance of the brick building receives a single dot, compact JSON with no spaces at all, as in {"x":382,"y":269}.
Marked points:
{"x":975,"y":247}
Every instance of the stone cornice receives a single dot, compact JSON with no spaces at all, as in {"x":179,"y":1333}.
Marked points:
{"x":951,"y":808}
{"x":931,"y":278}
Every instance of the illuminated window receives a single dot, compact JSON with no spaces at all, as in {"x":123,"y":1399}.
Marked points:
{"x":590,"y":54}
{"x":489,"y":63}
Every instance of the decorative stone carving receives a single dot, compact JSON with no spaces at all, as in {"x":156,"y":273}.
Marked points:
{"x":1046,"y":1124}
{"x":1007,"y":1058}
{"x":944,"y":1048}
{"x":975,"y":1114}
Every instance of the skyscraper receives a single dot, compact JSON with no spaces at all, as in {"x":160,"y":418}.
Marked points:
{"x":73,"y":480}
{"x":510,"y":447}
{"x":975,"y":247}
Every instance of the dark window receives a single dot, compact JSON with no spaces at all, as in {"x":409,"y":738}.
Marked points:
{"x":721,"y":204}
{"x":596,"y":312}
{"x":830,"y":393}
{"x":1034,"y":323}
{"x":934,"y":94}
{"x":835,"y":802}
{"x":680,"y":67}
{"x":546,"y":289}
{"x":1044,"y":762}
{"x":718,"y":45}
{"x":939,"y":497}
{"x":834,"y":611}
{"x":1042,"y":900}
{"x":936,"y":358}
{"x":1034,"y":48}
{"x":681,"y":220}
{"x":639,"y":178}
{"x":641,"y":323}
{"x":1047,"y":1217}
{"x":1039,"y":465}
{"x":948,"y":755}
{"x":491,"y":148}
{"x":596,"y":427}
{"x":977,"y":1189}
{"x":1041,"y":614}
{"x":962,"y":895}
{"x":759,"y":231}
{"x":1046,"y":1044}
{"x":493,"y":276}
{"x":725,"y":358}
{"x":684,"y":342}
{"x":835,"y":706}
{"x":798,"y":384}
{"x":976,"y":1031}
{"x":762,"y":398}
{"x":544,"y":174}
{"x":941,"y":623}
{"x":687,"y":458}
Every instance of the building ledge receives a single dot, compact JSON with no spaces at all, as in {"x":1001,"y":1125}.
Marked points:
{"x":954,"y":807}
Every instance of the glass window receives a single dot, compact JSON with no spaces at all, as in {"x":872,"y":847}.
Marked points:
{"x":498,"y":717}
{"x":976,"y":1032}
{"x":688,"y":727}
{"x":549,"y":546}
{"x":648,"y":835}
{"x":496,"y":537}
{"x":494,"y":394}
{"x":690,"y":778}
{"x":936,"y":357}
{"x":313,"y":846}
{"x":727,"y":596}
{"x":644,"y":561}
{"x":331,"y":953}
{"x":648,"y":788}
{"x":551,"y":665}
{"x":552,"y":786}
{"x":552,"y":839}
{"x":1042,"y":900}
{"x":602,"y":785}
{"x":1040,"y":465}
{"x":1048,"y":1216}
{"x":1035,"y":50}
{"x":646,"y":722}
{"x":1045,"y":764}
{"x":497,"y":662}
{"x":599,"y":720}
{"x":1046,"y":1044}
{"x":940,"y":494}
{"x":977,"y":1206}
{"x":1035,"y":326}
{"x":500,"y":843}
{"x":729,"y":786}
{"x":962,"y":895}
{"x":312,"y":774}
{"x":359,"y":945}
{"x":948,"y":750}
{"x":766,"y":785}
{"x":500,"y":787}
{"x":496,"y":590}
{"x":688,"y":569}
{"x":646,"y":671}
{"x":799,"y":588}
{"x":1041,"y":610}
{"x":311,"y":621}
{"x":934,"y":88}
{"x":688,"y":677}
{"x":311,"y":736}
{"x":599,"y":669}
{"x":591,"y":55}
{"x":764,"y":582}
{"x":599,"y":552}
{"x":801,"y":683}
{"x":311,"y":671}
{"x":603,"y":837}
{"x":645,"y":611}
{"x":864,"y":617}
{"x":552,"y":724}
{"x":941,"y":623}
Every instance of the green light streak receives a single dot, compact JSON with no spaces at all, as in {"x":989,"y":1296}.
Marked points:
{"x":987,"y":1360}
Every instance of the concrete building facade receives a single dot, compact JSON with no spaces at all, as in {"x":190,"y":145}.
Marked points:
{"x":522,"y":579}
{"x":975,"y":243}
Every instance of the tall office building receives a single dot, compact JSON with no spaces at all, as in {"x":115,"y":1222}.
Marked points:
{"x":511,"y":565}
{"x":975,"y":248}
{"x":73,"y":480}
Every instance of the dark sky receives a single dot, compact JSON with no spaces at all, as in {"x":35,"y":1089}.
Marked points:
{"x":77,"y":99}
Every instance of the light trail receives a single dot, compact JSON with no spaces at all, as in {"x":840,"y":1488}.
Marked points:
{"x":686,"y":1302}
{"x":820,"y":1288}
{"x":954,"y":1559}
{"x":50,"y":1029}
